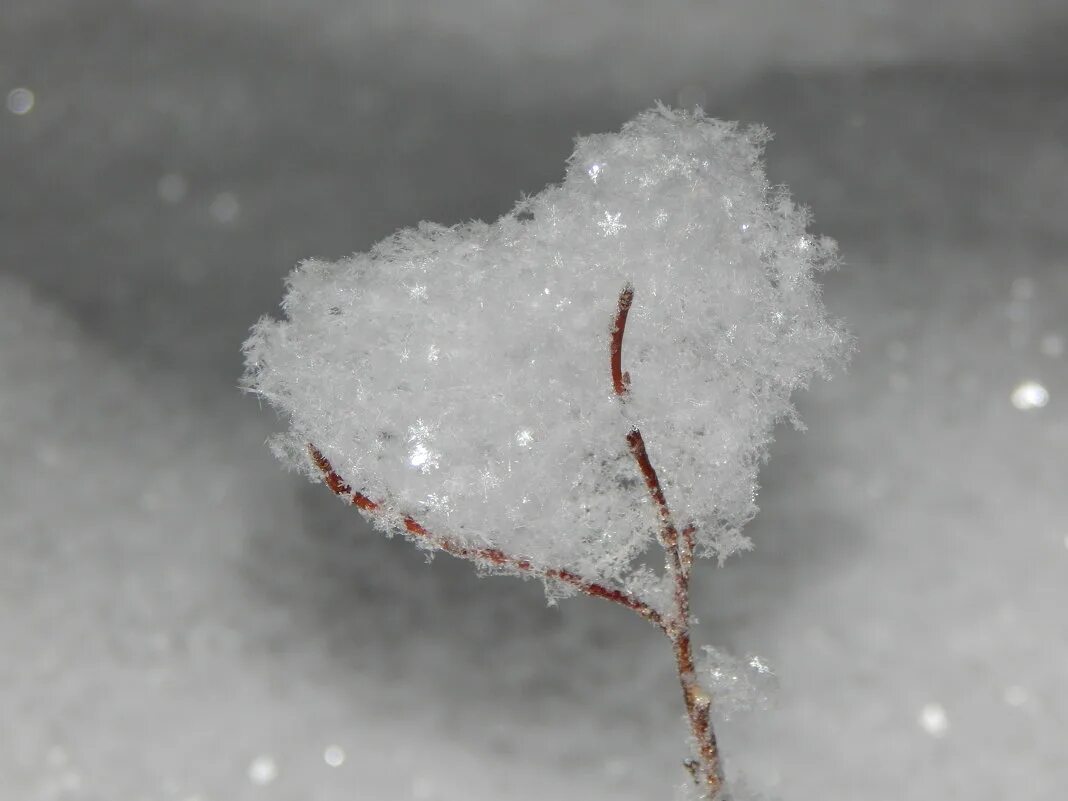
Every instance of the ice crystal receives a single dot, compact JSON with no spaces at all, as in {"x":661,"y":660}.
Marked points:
{"x":737,"y":684}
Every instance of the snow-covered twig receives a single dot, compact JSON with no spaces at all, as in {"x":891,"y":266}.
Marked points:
{"x":485,"y":556}
{"x":707,"y":770}
{"x":678,"y":552}
{"x":455,"y":375}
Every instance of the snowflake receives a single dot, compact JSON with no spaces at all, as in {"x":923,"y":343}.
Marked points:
{"x":611,"y":224}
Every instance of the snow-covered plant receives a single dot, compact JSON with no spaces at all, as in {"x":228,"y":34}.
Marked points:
{"x":581,"y":392}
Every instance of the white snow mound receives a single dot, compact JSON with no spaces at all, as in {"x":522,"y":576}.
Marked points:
{"x":461,"y":375}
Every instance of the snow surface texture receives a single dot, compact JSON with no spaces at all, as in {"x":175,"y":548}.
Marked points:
{"x":180,"y":619}
{"x":462,"y":375}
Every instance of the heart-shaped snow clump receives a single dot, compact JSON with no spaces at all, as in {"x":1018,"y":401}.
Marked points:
{"x":461,"y":376}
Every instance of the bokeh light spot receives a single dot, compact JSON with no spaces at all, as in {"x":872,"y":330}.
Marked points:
{"x":262,"y":770}
{"x":934,"y":720}
{"x":1029,"y":395}
{"x":172,"y":187}
{"x":20,"y":101}
{"x":334,"y":756}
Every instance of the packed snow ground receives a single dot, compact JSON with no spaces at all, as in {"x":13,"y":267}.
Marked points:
{"x":180,"y":619}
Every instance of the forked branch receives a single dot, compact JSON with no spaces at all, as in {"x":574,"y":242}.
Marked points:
{"x":678,"y":551}
{"x":484,"y":556}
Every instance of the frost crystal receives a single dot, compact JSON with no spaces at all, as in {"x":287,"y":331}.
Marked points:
{"x":471,"y":363}
{"x":737,"y":685}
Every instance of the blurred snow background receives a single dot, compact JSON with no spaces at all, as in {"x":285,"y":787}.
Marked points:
{"x":180,"y":619}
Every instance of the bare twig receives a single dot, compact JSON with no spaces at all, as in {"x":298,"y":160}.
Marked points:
{"x":707,"y":770}
{"x":493,"y":556}
{"x":678,"y":551}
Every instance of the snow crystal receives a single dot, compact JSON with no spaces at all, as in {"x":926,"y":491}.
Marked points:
{"x":471,"y":363}
{"x":735,"y":684}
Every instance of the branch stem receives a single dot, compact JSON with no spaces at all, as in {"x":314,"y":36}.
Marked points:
{"x":483,"y":556}
{"x":678,"y":552}
{"x":707,"y":769}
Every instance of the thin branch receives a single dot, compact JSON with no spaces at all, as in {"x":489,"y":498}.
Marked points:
{"x":686,"y":548}
{"x":678,"y":549}
{"x":621,"y":385}
{"x":679,"y":554}
{"x":669,"y":536}
{"x":620,"y":380}
{"x":493,"y":556}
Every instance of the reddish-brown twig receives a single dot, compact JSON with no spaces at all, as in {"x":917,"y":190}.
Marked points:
{"x":679,"y":556}
{"x":484,"y":556}
{"x":678,"y":551}
{"x":620,"y":380}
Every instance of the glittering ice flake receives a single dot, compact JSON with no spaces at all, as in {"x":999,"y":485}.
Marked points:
{"x":489,"y":481}
{"x":759,"y":665}
{"x":421,"y":456}
{"x":734,"y":684}
{"x":439,"y":503}
{"x":611,"y":225}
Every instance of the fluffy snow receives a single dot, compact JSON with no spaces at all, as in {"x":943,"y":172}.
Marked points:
{"x":173,"y":607}
{"x":462,"y":376}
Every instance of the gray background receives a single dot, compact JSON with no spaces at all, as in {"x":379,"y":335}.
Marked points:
{"x":180,"y":619}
